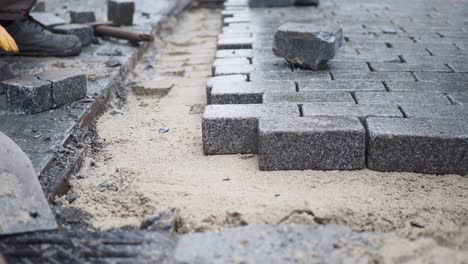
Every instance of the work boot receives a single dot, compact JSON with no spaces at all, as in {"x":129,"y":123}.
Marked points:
{"x":34,"y":39}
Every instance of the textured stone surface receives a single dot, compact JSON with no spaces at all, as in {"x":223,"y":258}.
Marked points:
{"x":235,"y":43}
{"x":312,"y":143}
{"x":426,"y":86}
{"x":421,"y":145}
{"x":306,"y":45}
{"x":28,"y":95}
{"x":232,"y":129}
{"x":304,"y":97}
{"x":67,"y":86}
{"x":436,"y":111}
{"x":222,"y":80}
{"x":292,"y":76}
{"x":361,"y":111}
{"x":400,"y":98}
{"x":247,"y":92}
{"x":5,"y":74}
{"x":233,"y":70}
{"x":459,"y":98}
{"x":84,"y":33}
{"x":379,"y":76}
{"x":279,"y":3}
{"x":234,"y":53}
{"x":82,"y":17}
{"x":47,"y":19}
{"x":357,"y":85}
{"x":121,"y":12}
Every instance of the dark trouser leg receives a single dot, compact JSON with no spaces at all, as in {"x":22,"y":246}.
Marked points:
{"x":12,"y":9}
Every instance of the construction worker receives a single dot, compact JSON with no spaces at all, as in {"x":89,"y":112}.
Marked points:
{"x":31,"y":37}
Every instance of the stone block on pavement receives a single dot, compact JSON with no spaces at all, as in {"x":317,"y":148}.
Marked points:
{"x":223,"y":80}
{"x":279,"y":3}
{"x":436,"y":111}
{"x":233,"y":129}
{"x":28,"y":94}
{"x":306,"y":45}
{"x":341,"y":85}
{"x":422,"y":145}
{"x":312,"y":143}
{"x":233,"y":70}
{"x":304,"y":97}
{"x":67,"y":86}
{"x":5,"y":74}
{"x":247,"y":92}
{"x":82,"y":17}
{"x":235,"y":43}
{"x":402,"y":98}
{"x":340,"y":109}
{"x":84,"y":33}
{"x":121,"y":12}
{"x":234,"y":53}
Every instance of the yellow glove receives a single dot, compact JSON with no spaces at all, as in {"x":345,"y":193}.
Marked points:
{"x":7,"y":43}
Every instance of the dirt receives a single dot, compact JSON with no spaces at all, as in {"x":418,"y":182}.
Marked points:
{"x":152,"y":160}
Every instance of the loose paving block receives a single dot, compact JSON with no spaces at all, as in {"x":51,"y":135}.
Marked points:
{"x":401,"y":98}
{"x":247,"y":92}
{"x":307,"y":46}
{"x":443,"y":87}
{"x":234,"y":70}
{"x":222,"y":80}
{"x":422,"y":145}
{"x":235,"y":43}
{"x":459,"y":98}
{"x":304,"y":97}
{"x":121,"y":12}
{"x":67,"y":86}
{"x":28,"y":94}
{"x":84,"y":33}
{"x":82,"y":17}
{"x":5,"y":74}
{"x":311,"y":143}
{"x":351,"y":86}
{"x":232,"y":129}
{"x":354,"y":110}
{"x":436,"y":111}
{"x":235,"y":53}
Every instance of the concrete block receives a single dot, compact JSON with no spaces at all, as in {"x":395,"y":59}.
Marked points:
{"x":355,"y":85}
{"x":402,"y":98}
{"x":304,"y":97}
{"x":436,"y":111}
{"x":235,"y":43}
{"x":422,"y":145}
{"x":354,"y":110}
{"x":84,"y":33}
{"x":306,"y":45}
{"x":442,"y":76}
{"x":234,"y":70}
{"x":459,"y":98}
{"x":280,"y":3}
{"x":121,"y":12}
{"x":313,"y":143}
{"x":443,"y":87}
{"x":247,"y":92}
{"x":232,"y":129}
{"x":82,"y":17}
{"x":67,"y":86}
{"x":28,"y":94}
{"x":376,"y":76}
{"x":223,"y":80}
{"x":229,"y":61}
{"x":293,"y":76}
{"x":235,"y":53}
{"x":5,"y":74}
{"x":408,"y":67}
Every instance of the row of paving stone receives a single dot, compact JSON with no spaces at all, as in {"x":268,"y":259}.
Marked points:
{"x":394,"y":99}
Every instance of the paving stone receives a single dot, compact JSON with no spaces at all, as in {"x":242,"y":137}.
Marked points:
{"x":84,"y":33}
{"x":411,"y":58}
{"x":82,"y":17}
{"x":234,"y":20}
{"x":121,"y":12}
{"x":247,"y":92}
{"x":459,"y":98}
{"x":293,"y":76}
{"x":5,"y":74}
{"x":382,"y":76}
{"x":270,"y":3}
{"x":436,"y":111}
{"x":341,"y":85}
{"x":229,"y":61}
{"x":444,"y":87}
{"x":304,"y":97}
{"x":306,"y":45}
{"x":361,"y":111}
{"x":271,"y":65}
{"x":222,"y":80}
{"x":421,"y":145}
{"x":233,"y":70}
{"x":409,"y":67}
{"x":235,"y":53}
{"x":67,"y":86}
{"x":232,"y":129}
{"x":235,"y":43}
{"x":442,"y":76}
{"x":312,"y":143}
{"x":39,"y":6}
{"x":28,"y":95}
{"x":459,"y":67}
{"x":401,"y":98}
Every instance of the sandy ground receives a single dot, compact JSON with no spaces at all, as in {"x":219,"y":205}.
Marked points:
{"x":152,"y":159}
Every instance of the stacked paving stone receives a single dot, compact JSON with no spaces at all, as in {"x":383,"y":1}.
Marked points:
{"x":394,"y":98}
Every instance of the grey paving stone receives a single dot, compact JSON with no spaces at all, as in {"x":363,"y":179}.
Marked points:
{"x":5,"y":74}
{"x":459,"y":66}
{"x":402,"y":98}
{"x":442,"y":76}
{"x":341,"y":85}
{"x":422,"y":145}
{"x":235,"y":43}
{"x":27,"y":94}
{"x":233,"y":20}
{"x":84,"y":33}
{"x":229,"y":61}
{"x":459,"y":98}
{"x":409,"y":67}
{"x":233,"y":70}
{"x":304,"y":97}
{"x":311,"y":143}
{"x":247,"y":92}
{"x":121,"y":12}
{"x":443,"y":87}
{"x":271,"y":65}
{"x":223,"y":80}
{"x":235,"y":53}
{"x":307,"y":45}
{"x":67,"y":86}
{"x":411,"y":58}
{"x":361,"y":111}
{"x":232,"y":129}
{"x":436,"y":111}
{"x":82,"y":17}
{"x":293,"y":76}
{"x":381,"y":76}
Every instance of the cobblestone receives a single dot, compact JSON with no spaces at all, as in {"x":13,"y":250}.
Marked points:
{"x":445,"y":87}
{"x":305,"y":97}
{"x":400,"y":98}
{"x":28,"y":94}
{"x":436,"y":111}
{"x":341,"y":85}
{"x":459,"y":98}
{"x":247,"y":92}
{"x":361,"y":111}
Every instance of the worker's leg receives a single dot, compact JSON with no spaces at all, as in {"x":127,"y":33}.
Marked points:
{"x":12,"y":9}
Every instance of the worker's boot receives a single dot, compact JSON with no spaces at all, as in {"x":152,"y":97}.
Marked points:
{"x":34,"y":39}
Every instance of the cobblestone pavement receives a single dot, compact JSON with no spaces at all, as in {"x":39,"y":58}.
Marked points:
{"x":393,"y":99}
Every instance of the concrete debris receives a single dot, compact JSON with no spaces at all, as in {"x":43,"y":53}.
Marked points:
{"x":84,"y":33}
{"x":121,"y":12}
{"x":306,"y":46}
{"x":82,"y":17}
